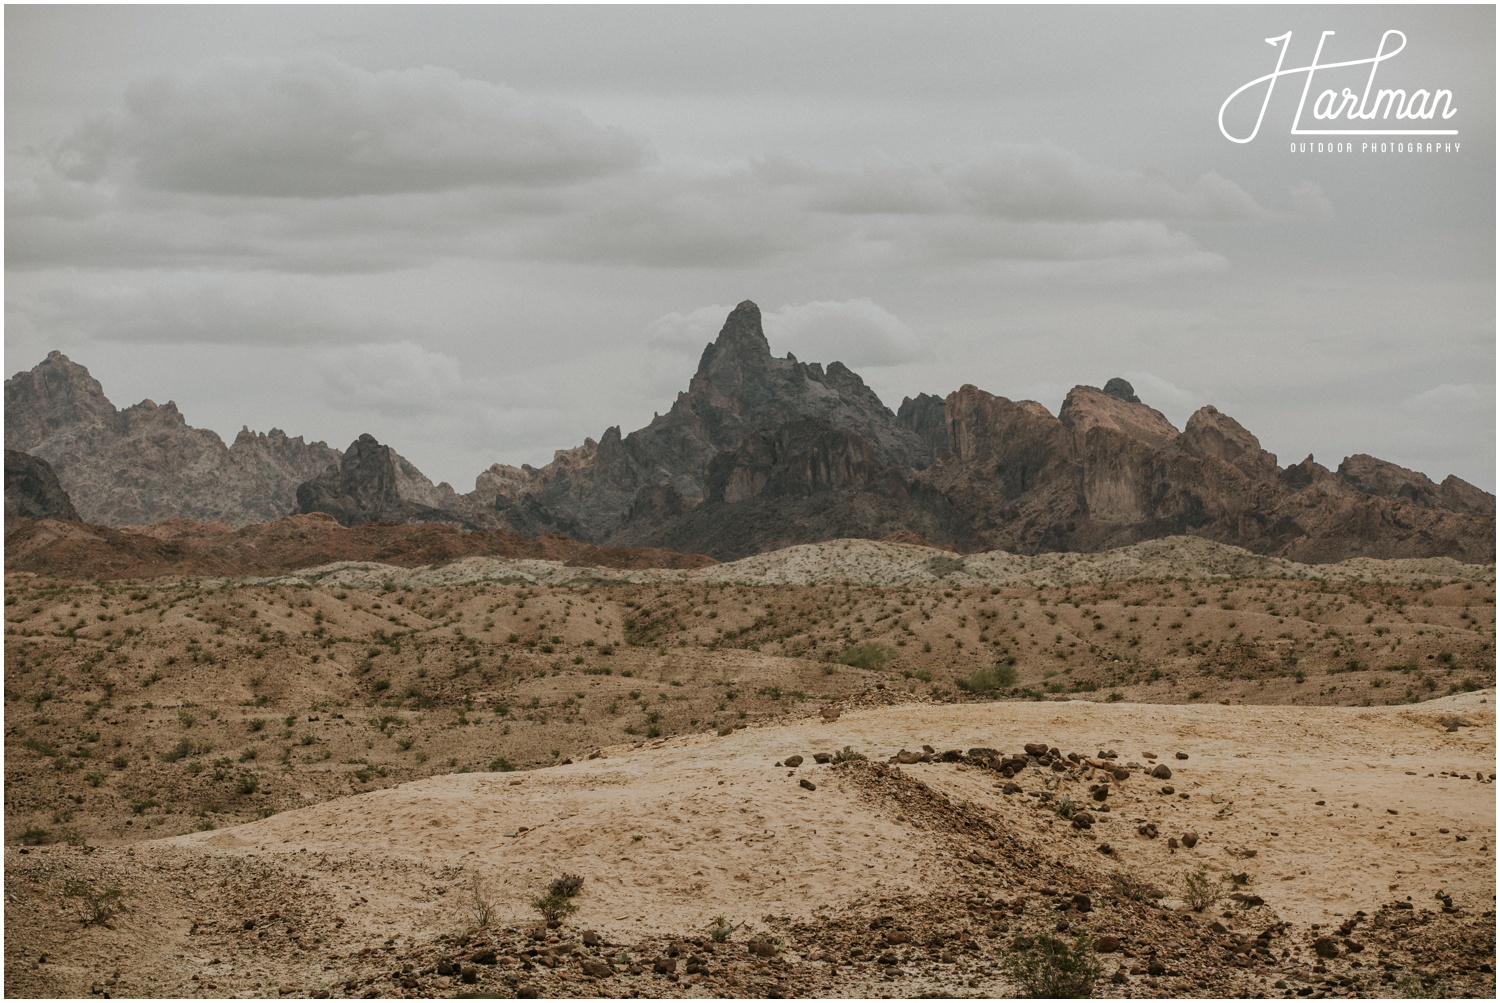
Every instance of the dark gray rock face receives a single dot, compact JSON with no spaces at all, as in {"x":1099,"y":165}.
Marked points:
{"x":739,"y":390}
{"x":145,"y":463}
{"x":927,"y":416}
{"x":32,"y":490}
{"x":1121,"y":388}
{"x":374,"y":483}
{"x":805,"y":481}
{"x":761,"y":452}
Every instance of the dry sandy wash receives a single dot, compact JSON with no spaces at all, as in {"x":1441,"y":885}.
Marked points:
{"x":1370,"y":828}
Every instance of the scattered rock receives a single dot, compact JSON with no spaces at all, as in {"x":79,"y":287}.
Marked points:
{"x":1161,"y":771}
{"x":793,"y":761}
{"x":1182,"y":755}
{"x":1326,"y":948}
{"x":665,"y":966}
{"x":807,"y":784}
{"x":822,"y":757}
{"x":1190,"y":839}
{"x":762,"y":947}
{"x":1036,"y":749}
{"x":1107,"y":944}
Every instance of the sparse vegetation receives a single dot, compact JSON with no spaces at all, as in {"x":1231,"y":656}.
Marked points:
{"x":1200,"y":891}
{"x":869,"y":655}
{"x":481,"y":909}
{"x":990,"y":678}
{"x":92,"y":904}
{"x":1044,"y":967}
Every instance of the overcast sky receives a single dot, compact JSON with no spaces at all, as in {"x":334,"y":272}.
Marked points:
{"x":483,"y":234}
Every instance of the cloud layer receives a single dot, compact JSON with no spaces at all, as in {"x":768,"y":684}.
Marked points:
{"x":315,"y":127}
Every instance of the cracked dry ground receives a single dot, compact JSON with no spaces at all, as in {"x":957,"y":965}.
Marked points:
{"x":1352,"y":847}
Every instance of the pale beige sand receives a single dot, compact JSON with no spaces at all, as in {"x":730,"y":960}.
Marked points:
{"x":872,"y":562}
{"x":669,"y":836}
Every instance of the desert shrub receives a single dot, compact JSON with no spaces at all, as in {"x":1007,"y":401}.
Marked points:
{"x":1047,"y":968}
{"x":91,"y":904}
{"x":764,"y":946}
{"x":1135,"y":889}
{"x":566,"y":885}
{"x":869,"y":655}
{"x":720,"y":929}
{"x":481,"y":909}
{"x":1200,"y":891}
{"x":553,"y":907}
{"x":848,"y":755}
{"x":995,"y":677}
{"x":942,"y":566}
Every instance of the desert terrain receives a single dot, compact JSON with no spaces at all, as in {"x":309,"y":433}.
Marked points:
{"x":353,"y":779}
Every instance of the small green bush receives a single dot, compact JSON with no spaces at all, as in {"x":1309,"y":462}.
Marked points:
{"x":566,"y":885}
{"x":848,"y":755}
{"x":997,"y":677}
{"x":1200,"y":891}
{"x":91,"y":904}
{"x":553,"y":907}
{"x":1047,"y":968}
{"x":869,"y":655}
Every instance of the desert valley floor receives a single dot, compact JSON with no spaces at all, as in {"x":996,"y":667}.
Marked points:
{"x":357,"y":779}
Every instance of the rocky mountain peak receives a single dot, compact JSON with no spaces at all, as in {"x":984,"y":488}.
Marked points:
{"x":741,"y":343}
{"x":55,"y":394}
{"x":1121,"y":388}
{"x":146,"y":463}
{"x":1089,"y":408}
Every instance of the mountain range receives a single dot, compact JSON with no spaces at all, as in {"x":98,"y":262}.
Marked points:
{"x":761,"y":452}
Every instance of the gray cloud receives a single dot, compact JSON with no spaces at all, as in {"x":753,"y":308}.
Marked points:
{"x":1029,"y":182}
{"x":315,"y":127}
{"x":1012,"y":197}
{"x":233,"y":309}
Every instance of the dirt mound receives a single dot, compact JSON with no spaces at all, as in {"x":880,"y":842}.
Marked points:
{"x":860,"y":878}
{"x":869,"y":562}
{"x":184,"y":547}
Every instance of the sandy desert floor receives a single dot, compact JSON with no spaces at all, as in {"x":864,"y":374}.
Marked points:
{"x":1374,"y":827}
{"x":353,"y":781}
